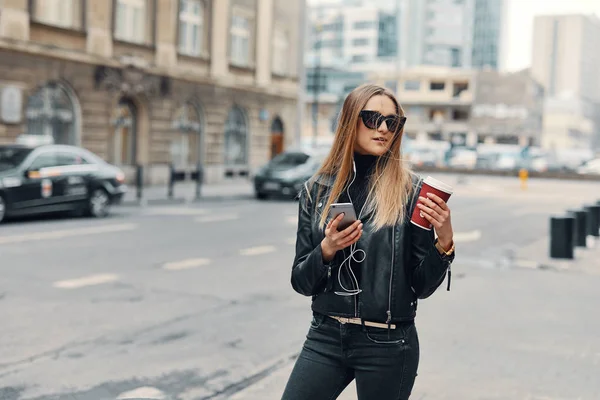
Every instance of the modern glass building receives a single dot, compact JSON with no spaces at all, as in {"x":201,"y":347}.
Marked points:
{"x":487,"y":28}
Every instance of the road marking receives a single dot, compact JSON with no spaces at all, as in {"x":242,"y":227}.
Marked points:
{"x":186,"y":264}
{"x":291,"y":241}
{"x":255,"y":251}
{"x":218,"y":218}
{"x":466,"y":237}
{"x":183,"y":211}
{"x":91,"y":280}
{"x":146,"y":392}
{"x":292,"y":219}
{"x":60,"y":234}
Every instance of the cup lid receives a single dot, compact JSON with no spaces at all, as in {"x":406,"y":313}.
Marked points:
{"x":444,"y":187}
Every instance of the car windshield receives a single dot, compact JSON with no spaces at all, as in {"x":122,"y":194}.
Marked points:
{"x":289,"y":159}
{"x":11,"y":157}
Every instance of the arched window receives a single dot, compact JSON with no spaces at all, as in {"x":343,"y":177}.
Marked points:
{"x":236,"y":138}
{"x":277,"y":137}
{"x":51,"y":111}
{"x":124,"y":137}
{"x":186,"y":146}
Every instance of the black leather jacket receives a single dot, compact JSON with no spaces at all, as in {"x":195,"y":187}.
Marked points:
{"x":401,"y":265}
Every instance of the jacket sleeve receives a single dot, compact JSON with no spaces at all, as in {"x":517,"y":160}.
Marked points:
{"x":309,"y":272}
{"x":429,"y":266}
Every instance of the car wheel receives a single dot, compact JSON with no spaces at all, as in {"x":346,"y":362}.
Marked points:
{"x":261,"y":196}
{"x":2,"y":208}
{"x":99,"y":204}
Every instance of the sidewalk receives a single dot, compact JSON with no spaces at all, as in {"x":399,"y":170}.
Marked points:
{"x":537,"y":256}
{"x":185,"y":192}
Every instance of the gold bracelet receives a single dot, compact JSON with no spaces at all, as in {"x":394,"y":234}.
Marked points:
{"x":444,"y":251}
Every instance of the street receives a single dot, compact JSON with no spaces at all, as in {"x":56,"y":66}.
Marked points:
{"x":194,"y":302}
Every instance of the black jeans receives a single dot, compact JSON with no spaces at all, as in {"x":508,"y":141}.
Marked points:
{"x":383,"y":362}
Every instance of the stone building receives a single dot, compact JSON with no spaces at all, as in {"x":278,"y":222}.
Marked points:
{"x":153,"y":82}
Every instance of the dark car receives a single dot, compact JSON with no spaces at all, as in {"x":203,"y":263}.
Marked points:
{"x":51,"y":178}
{"x":285,"y":174}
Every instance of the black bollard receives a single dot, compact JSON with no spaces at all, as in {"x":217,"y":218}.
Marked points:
{"x":171,"y":181}
{"x":561,"y":237}
{"x":575,"y":215}
{"x":199,"y":180}
{"x":581,"y":217}
{"x":139,"y":181}
{"x":593,"y":220}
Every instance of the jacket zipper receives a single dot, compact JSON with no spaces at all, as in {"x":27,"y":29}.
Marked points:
{"x":389,"y":311}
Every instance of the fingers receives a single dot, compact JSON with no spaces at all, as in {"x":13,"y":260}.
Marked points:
{"x":343,"y":234}
{"x":441,"y":209}
{"x":333,"y":224}
{"x":429,"y":211}
{"x":352,"y":238}
{"x":438,"y":200}
{"x":436,"y":224}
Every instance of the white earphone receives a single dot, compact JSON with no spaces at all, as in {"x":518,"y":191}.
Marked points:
{"x":353,"y":250}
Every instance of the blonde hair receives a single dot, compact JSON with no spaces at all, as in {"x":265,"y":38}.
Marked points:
{"x":389,"y":192}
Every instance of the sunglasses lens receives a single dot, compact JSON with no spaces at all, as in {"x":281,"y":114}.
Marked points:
{"x":369,"y":119}
{"x":392,"y":124}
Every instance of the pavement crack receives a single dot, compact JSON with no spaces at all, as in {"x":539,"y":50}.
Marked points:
{"x":244,"y":383}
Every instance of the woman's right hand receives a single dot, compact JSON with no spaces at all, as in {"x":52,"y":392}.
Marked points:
{"x":335,"y":240}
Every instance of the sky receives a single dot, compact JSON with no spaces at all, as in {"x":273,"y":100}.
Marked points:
{"x":519,"y":29}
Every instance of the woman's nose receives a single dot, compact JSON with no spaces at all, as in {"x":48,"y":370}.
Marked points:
{"x":383,"y":128}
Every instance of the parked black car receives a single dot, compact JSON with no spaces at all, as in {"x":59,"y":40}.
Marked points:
{"x":285,"y":174}
{"x":51,"y":178}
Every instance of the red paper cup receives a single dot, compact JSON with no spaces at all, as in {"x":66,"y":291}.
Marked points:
{"x":430,"y":185}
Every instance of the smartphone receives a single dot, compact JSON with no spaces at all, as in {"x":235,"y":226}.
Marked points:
{"x":349,"y":214}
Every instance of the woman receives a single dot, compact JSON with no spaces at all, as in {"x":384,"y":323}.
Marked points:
{"x":365,"y":280}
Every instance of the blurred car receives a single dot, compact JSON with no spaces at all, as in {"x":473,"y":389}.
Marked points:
{"x":285,"y":174}
{"x":591,"y":167}
{"x":462,"y":158}
{"x":43,"y":178}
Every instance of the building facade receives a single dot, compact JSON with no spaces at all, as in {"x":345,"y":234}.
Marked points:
{"x":153,"y":82}
{"x":508,"y":108}
{"x":566,"y":61}
{"x":354,"y":36}
{"x":438,"y":33}
{"x":436,"y":100}
{"x":488,"y":17}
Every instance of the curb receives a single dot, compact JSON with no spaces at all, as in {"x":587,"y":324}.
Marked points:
{"x":182,"y":200}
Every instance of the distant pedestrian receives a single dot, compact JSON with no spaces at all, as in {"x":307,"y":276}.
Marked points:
{"x":365,"y":280}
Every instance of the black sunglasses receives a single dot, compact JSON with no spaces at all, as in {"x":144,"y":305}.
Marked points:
{"x":374,"y":119}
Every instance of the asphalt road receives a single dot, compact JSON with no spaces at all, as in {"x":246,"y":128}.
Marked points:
{"x":194,"y":302}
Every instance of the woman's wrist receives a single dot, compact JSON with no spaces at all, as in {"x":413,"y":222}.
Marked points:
{"x":327,"y":252}
{"x":445,"y":244}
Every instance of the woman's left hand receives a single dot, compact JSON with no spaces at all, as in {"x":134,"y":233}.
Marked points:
{"x":436,"y":211}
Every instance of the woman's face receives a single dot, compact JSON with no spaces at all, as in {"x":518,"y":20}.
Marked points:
{"x":375,"y":140}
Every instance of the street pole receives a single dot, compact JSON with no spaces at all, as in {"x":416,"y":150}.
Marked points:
{"x":316,"y":82}
{"x":301,"y":105}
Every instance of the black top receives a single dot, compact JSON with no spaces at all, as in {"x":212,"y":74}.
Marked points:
{"x":365,"y":165}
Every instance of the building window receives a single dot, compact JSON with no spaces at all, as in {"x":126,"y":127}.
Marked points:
{"x":412,"y":85}
{"x":455,"y":57}
{"x":186,"y":145}
{"x":191,"y":27}
{"x":281,"y":45}
{"x":437,"y":86}
{"x":240,"y":40}
{"x":364,"y":25}
{"x":236,"y":134}
{"x":360,"y":42}
{"x":130,"y":20}
{"x":360,"y":58}
{"x":51,"y":112}
{"x":56,"y":12}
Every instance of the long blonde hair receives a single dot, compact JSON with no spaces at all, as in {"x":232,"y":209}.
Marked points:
{"x":389,"y":192}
